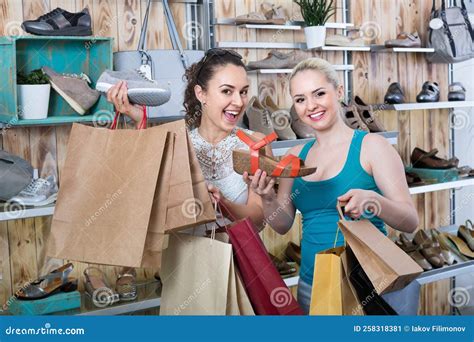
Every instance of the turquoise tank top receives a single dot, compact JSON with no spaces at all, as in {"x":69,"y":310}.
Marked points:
{"x":316,"y":200}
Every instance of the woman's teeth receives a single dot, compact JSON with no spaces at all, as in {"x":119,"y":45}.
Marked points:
{"x":231,"y":114}
{"x":316,"y":116}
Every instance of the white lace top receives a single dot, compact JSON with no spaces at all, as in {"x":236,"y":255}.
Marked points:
{"x":217,"y":167}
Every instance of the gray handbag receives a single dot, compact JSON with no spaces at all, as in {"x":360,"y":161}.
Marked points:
{"x":15,"y":174}
{"x":167,"y":67}
{"x":450,"y":34}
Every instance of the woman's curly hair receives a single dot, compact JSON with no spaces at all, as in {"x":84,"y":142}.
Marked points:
{"x":200,"y":73}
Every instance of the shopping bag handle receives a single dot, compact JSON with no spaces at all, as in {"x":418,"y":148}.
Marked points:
{"x":340,"y":209}
{"x":141,"y":125}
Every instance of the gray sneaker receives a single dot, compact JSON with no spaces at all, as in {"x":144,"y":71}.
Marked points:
{"x":141,"y":89}
{"x":74,"y":88}
{"x":39,"y":192}
{"x":258,"y":117}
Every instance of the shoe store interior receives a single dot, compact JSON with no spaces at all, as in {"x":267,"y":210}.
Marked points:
{"x":101,"y":214}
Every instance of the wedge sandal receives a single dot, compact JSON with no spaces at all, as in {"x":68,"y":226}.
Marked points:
{"x":289,"y":166}
{"x":98,"y":288}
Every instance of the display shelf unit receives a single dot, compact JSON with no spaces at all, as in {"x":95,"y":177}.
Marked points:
{"x":383,"y":49}
{"x":424,"y":106}
{"x":338,"y":67}
{"x":14,"y":212}
{"x":290,"y":25}
{"x":72,"y":55}
{"x":302,"y":46}
{"x":423,"y":189}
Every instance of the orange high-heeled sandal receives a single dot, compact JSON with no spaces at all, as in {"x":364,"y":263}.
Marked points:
{"x":289,"y":166}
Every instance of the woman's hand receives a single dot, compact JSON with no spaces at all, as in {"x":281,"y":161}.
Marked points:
{"x":260,"y":184}
{"x":118,"y":95}
{"x":360,"y":201}
{"x":215,"y":193}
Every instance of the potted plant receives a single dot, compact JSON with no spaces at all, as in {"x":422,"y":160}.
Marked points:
{"x":315,"y":15}
{"x":33,"y":95}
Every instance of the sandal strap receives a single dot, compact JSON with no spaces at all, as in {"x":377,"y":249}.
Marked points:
{"x":287,"y":160}
{"x":430,"y":154}
{"x":255,"y":147}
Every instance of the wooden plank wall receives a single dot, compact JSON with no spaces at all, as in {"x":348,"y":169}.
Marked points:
{"x":22,"y":241}
{"x":22,"y":252}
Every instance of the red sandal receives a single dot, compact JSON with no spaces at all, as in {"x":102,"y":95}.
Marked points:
{"x":289,"y":166}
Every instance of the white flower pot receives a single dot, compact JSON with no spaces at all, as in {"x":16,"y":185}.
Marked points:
{"x":315,"y":36}
{"x":33,"y":101}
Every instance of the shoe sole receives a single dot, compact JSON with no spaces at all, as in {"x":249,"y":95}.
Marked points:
{"x":151,"y":97}
{"x":49,"y":200}
{"x":76,"y":106}
{"x":72,"y":31}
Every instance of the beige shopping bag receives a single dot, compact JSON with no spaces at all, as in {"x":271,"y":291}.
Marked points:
{"x":388,"y":267}
{"x":199,"y":278}
{"x":189,"y":203}
{"x":106,"y":196}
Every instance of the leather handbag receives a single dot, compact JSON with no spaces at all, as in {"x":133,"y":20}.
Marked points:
{"x":167,"y":67}
{"x":15,"y":174}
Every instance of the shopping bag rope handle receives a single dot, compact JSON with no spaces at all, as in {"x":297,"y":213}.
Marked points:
{"x":141,"y":125}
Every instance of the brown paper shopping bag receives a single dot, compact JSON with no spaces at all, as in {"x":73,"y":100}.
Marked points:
{"x":189,"y":203}
{"x":199,"y":278}
{"x":326,"y":292}
{"x":107,"y":192}
{"x":388,"y":267}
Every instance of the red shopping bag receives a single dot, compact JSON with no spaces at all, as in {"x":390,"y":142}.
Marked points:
{"x":266,"y":289}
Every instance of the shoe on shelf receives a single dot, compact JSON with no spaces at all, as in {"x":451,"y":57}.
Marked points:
{"x":98,"y":288}
{"x":429,"y":248}
{"x":429,"y":92}
{"x":60,"y":22}
{"x":141,"y":90}
{"x":52,"y":283}
{"x":279,"y":60}
{"x":368,"y":115}
{"x":457,"y":92}
{"x":74,"y":88}
{"x":126,"y":285}
{"x":341,"y":40}
{"x":257,"y":117}
{"x":271,"y":15}
{"x":281,"y":120}
{"x":466,"y":232}
{"x":293,"y":252}
{"x":283,"y":267}
{"x":461,"y":246}
{"x":351,"y":117}
{"x":302,"y":130}
{"x":428,"y":160}
{"x":413,"y":179}
{"x":38,"y":193}
{"x":413,"y":251}
{"x":394,"y":94}
{"x":289,"y":166}
{"x":447,"y":244}
{"x":405,"y":40}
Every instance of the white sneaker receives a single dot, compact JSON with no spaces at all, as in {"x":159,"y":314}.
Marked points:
{"x":38,"y":193}
{"x":141,"y":89}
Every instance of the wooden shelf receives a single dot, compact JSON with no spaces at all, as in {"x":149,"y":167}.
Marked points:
{"x":14,"y":212}
{"x":383,"y":49}
{"x":424,"y":106}
{"x":339,"y":67}
{"x":290,"y":25}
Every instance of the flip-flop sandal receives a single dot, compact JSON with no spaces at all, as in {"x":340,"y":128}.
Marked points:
{"x":56,"y":281}
{"x":457,"y":92}
{"x":368,"y":115}
{"x":98,"y":288}
{"x":126,"y":286}
{"x":289,"y":166}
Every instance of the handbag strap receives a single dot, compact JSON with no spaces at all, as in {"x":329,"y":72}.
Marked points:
{"x":466,"y":19}
{"x":141,"y":125}
{"x":173,"y":31}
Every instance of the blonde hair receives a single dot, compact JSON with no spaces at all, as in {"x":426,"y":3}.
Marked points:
{"x":317,"y":64}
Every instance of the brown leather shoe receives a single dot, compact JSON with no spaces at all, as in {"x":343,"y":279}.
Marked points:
{"x":368,"y":115}
{"x":413,"y":179}
{"x":351,"y":117}
{"x":447,"y":244}
{"x":430,"y":249}
{"x":428,"y":160}
{"x":293,"y":252}
{"x":466,"y":232}
{"x":405,"y":39}
{"x":412,"y":250}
